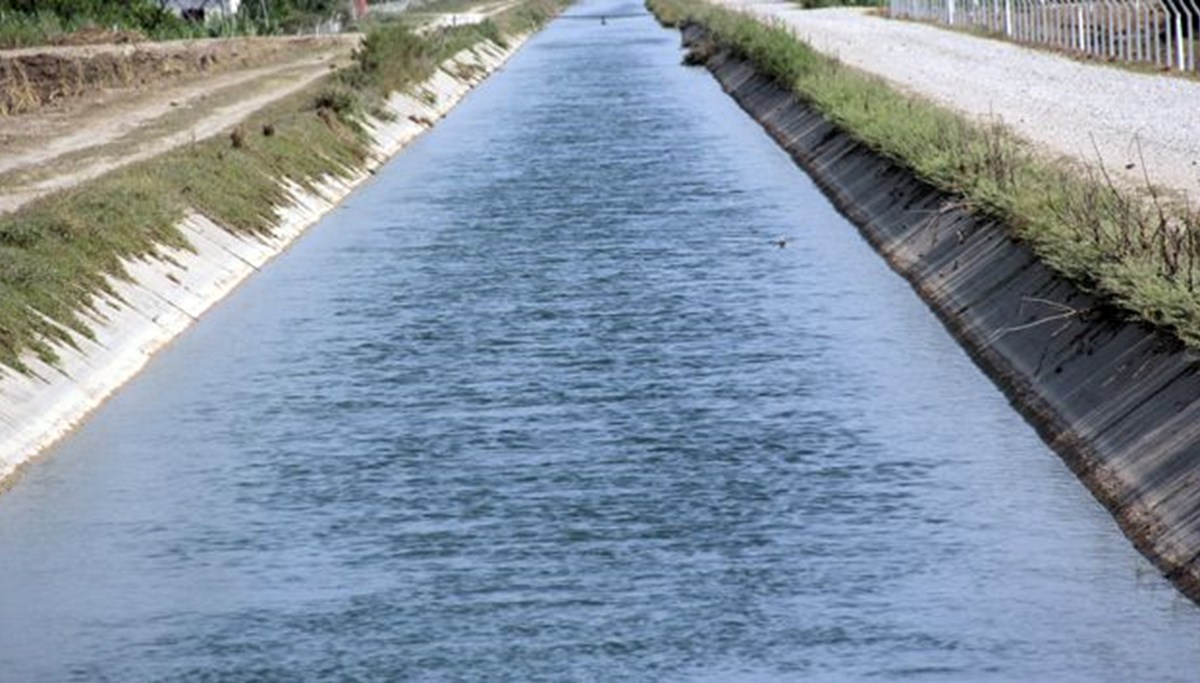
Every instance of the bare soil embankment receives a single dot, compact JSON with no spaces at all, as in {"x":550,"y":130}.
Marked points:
{"x":33,"y":78}
{"x":70,"y":114}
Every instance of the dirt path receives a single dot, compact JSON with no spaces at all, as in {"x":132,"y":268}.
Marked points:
{"x":478,"y":15}
{"x":61,"y":146}
{"x":1063,"y":106}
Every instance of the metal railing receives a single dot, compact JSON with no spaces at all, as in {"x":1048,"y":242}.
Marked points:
{"x":1158,"y":32}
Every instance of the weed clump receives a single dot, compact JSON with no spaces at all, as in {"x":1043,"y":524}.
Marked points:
{"x":338,"y":100}
{"x":700,"y":51}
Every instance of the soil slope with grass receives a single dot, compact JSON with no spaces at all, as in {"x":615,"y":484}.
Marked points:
{"x":1139,"y":124}
{"x":95,"y":278}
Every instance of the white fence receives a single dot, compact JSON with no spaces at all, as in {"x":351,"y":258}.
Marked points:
{"x":1158,"y":32}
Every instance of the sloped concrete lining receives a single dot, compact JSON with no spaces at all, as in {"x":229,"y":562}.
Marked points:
{"x":1119,"y":401}
{"x":167,"y":293}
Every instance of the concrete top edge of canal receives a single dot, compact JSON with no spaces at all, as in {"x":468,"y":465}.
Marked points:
{"x":1117,"y":400}
{"x":164,"y":296}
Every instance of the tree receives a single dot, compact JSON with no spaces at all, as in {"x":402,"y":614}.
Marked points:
{"x":290,"y":13}
{"x":140,"y":14}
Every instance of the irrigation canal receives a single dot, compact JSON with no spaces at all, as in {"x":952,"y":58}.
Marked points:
{"x":545,"y":401}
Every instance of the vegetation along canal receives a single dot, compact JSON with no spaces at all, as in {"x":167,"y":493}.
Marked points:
{"x":547,"y":400}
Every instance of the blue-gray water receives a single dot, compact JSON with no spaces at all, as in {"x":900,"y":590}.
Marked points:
{"x":545,"y":402}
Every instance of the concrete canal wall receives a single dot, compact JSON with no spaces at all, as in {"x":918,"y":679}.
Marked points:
{"x":165,"y":295}
{"x":1119,"y":401}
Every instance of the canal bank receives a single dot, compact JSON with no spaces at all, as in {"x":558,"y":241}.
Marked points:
{"x":160,"y":294}
{"x":1118,"y":400}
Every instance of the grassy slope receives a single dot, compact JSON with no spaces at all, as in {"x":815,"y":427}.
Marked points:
{"x":1139,"y":251}
{"x":57,"y":253}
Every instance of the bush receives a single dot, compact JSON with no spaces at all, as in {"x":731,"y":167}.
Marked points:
{"x":339,"y":100}
{"x":31,"y":22}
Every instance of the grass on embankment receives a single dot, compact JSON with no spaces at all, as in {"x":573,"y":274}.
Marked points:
{"x":57,"y":253}
{"x":1140,"y":252}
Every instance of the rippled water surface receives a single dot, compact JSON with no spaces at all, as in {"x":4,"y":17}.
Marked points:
{"x":546,"y":402}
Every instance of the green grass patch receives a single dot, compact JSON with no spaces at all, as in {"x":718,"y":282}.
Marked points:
{"x":1138,"y":251}
{"x":394,"y":56}
{"x":26,"y":23}
{"x":57,"y":253}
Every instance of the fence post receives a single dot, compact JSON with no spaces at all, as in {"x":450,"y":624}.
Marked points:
{"x":1192,"y":12}
{"x":1081,"y":43}
{"x":1179,"y":40}
{"x":1161,"y":32}
{"x":1111,"y":35}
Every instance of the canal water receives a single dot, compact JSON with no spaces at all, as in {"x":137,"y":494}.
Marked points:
{"x":547,"y":401}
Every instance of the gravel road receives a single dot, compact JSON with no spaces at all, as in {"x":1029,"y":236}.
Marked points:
{"x":1057,"y":103}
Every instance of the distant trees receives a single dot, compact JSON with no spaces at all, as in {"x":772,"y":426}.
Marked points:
{"x":31,"y":22}
{"x":137,"y":13}
{"x":156,"y":10}
{"x":289,"y":15}
{"x":144,"y":15}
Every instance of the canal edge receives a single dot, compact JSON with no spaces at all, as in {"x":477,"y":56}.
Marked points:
{"x":1117,"y":400}
{"x":164,"y":296}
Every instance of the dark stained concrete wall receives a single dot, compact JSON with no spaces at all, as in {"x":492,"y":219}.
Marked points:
{"x":1120,"y":402}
